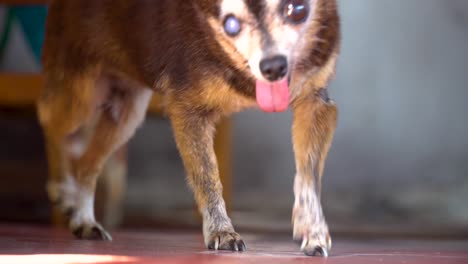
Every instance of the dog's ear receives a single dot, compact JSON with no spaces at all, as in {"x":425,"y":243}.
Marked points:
{"x":210,"y":7}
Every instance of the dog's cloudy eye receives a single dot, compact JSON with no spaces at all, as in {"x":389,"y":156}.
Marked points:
{"x":296,"y":11}
{"x":232,"y":26}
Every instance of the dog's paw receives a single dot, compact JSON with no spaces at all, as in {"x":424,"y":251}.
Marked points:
{"x":314,"y":238}
{"x":315,"y":244}
{"x":226,"y":241}
{"x":77,"y":204}
{"x":93,"y":231}
{"x":311,"y":231}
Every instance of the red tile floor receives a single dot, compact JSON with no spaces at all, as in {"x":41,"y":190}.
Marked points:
{"x":43,"y":245}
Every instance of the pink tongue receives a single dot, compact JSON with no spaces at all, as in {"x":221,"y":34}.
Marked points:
{"x":273,"y":97}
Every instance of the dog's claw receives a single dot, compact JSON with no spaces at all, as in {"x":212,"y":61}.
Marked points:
{"x":241,"y":246}
{"x":233,"y":245}
{"x":214,"y":244}
{"x":95,"y":232}
{"x":238,"y":246}
{"x":317,"y":251}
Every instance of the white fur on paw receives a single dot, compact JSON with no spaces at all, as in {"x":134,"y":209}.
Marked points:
{"x":309,"y":224}
{"x":74,"y":200}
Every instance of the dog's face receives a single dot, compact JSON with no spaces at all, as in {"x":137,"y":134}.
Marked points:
{"x":268,"y":38}
{"x":267,"y":32}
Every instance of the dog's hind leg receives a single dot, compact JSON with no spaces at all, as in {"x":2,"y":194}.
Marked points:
{"x":194,"y":132}
{"x":76,"y":159}
{"x":124,"y":111}
{"x":313,"y":128}
{"x":65,"y":109}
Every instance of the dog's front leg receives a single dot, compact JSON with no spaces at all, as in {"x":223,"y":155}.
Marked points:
{"x":194,"y":131}
{"x":313,"y":128}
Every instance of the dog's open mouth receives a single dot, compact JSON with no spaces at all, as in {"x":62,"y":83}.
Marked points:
{"x":273,"y":96}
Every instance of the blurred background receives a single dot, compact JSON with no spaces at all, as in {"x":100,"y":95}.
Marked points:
{"x":398,"y":164}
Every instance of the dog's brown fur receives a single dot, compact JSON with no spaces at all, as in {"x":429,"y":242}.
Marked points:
{"x":103,"y":58}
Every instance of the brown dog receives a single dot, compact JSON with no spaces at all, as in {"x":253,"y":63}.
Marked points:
{"x":206,"y":58}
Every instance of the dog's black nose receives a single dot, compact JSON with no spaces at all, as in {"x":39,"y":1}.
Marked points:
{"x":274,"y":68}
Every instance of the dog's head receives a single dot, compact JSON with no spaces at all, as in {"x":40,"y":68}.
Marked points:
{"x":271,"y":39}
